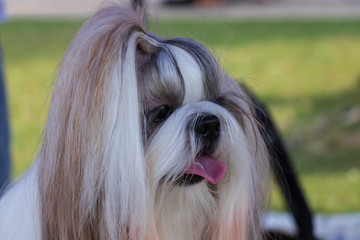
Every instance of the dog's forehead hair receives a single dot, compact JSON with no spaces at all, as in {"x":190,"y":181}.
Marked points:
{"x":212,"y":73}
{"x":178,"y":74}
{"x":160,"y":80}
{"x":192,"y":76}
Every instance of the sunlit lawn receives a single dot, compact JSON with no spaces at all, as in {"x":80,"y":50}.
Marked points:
{"x":307,"y":72}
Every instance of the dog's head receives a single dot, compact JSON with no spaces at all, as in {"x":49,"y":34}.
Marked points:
{"x":148,"y":138}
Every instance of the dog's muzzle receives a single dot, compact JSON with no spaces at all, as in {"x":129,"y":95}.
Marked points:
{"x":207,"y":128}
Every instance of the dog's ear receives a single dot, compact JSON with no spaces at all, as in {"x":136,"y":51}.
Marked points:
{"x":244,"y":202}
{"x":91,"y":164}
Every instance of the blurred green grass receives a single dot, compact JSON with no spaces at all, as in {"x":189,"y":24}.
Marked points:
{"x":307,"y":72}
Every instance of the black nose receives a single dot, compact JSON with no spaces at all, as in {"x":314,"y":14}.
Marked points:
{"x":208,"y":127}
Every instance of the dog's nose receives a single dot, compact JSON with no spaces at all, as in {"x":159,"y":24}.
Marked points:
{"x":208,"y":127}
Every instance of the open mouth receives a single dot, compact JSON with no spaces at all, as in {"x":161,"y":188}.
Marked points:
{"x":204,"y":167}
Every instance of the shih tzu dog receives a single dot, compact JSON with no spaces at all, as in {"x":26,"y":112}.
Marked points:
{"x":146,"y":138}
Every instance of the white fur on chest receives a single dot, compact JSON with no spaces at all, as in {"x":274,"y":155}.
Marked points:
{"x":19,"y":210}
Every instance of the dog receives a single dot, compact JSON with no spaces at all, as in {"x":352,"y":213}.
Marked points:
{"x":146,"y":138}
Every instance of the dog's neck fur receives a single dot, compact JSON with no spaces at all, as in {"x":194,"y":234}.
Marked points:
{"x":185,"y":213}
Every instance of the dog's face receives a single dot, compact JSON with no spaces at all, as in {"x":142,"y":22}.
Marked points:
{"x":183,"y":128}
{"x":186,"y":129}
{"x":196,"y":148}
{"x":162,"y":143}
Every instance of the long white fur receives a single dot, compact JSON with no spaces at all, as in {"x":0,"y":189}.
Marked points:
{"x":125,"y":194}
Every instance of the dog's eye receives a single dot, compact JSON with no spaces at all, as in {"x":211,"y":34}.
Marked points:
{"x":162,"y":113}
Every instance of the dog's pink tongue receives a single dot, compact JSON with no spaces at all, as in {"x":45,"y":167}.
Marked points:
{"x":209,"y":168}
